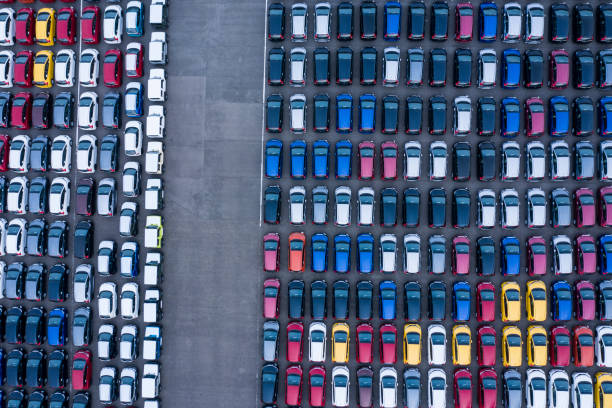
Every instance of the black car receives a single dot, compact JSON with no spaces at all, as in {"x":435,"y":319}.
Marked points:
{"x":109,"y":153}
{"x":583,"y":115}
{"x":321,"y":66}
{"x":416,"y":20}
{"x":412,"y":206}
{"x":36,"y":238}
{"x":57,"y":369}
{"x":413,"y":116}
{"x":461,"y":208}
{"x":295,"y":290}
{"x":388,"y":207}
{"x":15,"y":367}
{"x":463,"y":68}
{"x":583,"y":23}
{"x":111,"y":110}
{"x":321,"y":113}
{"x":274,"y":113}
{"x":462,"y":161}
{"x":81,"y":400}
{"x":485,"y":256}
{"x":437,"y":115}
{"x":368,"y":66}
{"x":57,"y":239}
{"x":57,"y":286}
{"x":439,"y":21}
{"x":272,"y":197}
{"x":487,"y":165}
{"x":368,"y":20}
{"x":6,"y":104}
{"x":59,"y":399}
{"x":364,"y":300}
{"x":390,"y":110}
{"x":276,"y":22}
{"x":584,"y":69}
{"x":604,"y":23}
{"x":38,"y":399}
{"x":14,"y":282}
{"x":485,"y":116}
{"x":437,"y":67}
{"x":39,"y":153}
{"x":81,"y":327}
{"x":276,"y":66}
{"x":35,"y":368}
{"x":269,"y":383}
{"x":63,"y":110}
{"x":559,"y":22}
{"x":533,"y":68}
{"x":35,"y":282}
{"x":35,"y":326}
{"x":345,"y":21}
{"x":41,"y":111}
{"x":83,"y":239}
{"x":437,"y":301}
{"x":437,"y":208}
{"x":15,"y":325}
{"x":412,"y":301}
{"x":318,"y":299}
{"x":344,"y":66}
{"x":341,"y":299}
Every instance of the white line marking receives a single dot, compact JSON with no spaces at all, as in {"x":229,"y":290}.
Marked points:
{"x":263,"y":115}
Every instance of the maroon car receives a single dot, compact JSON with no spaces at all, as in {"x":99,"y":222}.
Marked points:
{"x":388,"y":344}
{"x":316,"y":385}
{"x":85,"y":196}
{"x":4,"y":152}
{"x":487,"y":382}
{"x":366,"y":160}
{"x":271,"y":291}
{"x":536,"y":256}
{"x":463,"y":388}
{"x":485,"y":346}
{"x":584,"y":207}
{"x":65,"y":29}
{"x":41,"y":111}
{"x":24,"y":26}
{"x":23,"y":67}
{"x":271,"y":252}
{"x":559,"y":346}
{"x":460,"y":257}
{"x":113,"y":68}
{"x":364,"y":387}
{"x":559,"y":69}
{"x":295,"y":338}
{"x":485,"y":302}
{"x":293,"y":386}
{"x":464,"y":21}
{"x":389,"y":160}
{"x":21,"y":112}
{"x":605,"y":206}
{"x":586,"y":256}
{"x":534,"y":117}
{"x":90,"y":25}
{"x":584,"y":296}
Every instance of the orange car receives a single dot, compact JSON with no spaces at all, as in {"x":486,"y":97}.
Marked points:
{"x":297,"y":246}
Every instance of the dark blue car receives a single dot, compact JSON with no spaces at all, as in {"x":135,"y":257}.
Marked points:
{"x":342,"y":249}
{"x":274,"y":159}
{"x":510,"y":256}
{"x":605,"y":116}
{"x":297,"y":152}
{"x":367,"y":113}
{"x":487,"y":22}
{"x":393,"y":20}
{"x":344,"y":152}
{"x":319,"y":252}
{"x":388,"y":296}
{"x":559,"y":116}
{"x":561,"y":301}
{"x":344,"y":113}
{"x":320,"y":159}
{"x":605,"y":254}
{"x":511,"y":68}
{"x":510,"y":111}
{"x":462,"y":300}
{"x":56,"y":327}
{"x":365,"y":253}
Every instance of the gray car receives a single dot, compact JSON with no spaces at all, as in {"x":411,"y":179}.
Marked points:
{"x":512,"y":396}
{"x":270,"y":340}
{"x":81,"y":327}
{"x":605,"y":160}
{"x":560,"y":208}
{"x":584,"y":160}
{"x":412,"y":388}
{"x":437,"y":254}
{"x":604,"y":301}
{"x":319,"y":205}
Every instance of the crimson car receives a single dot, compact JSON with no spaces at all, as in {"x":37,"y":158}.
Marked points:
{"x":65,"y":29}
{"x":584,"y":207}
{"x":485,"y":302}
{"x":388,"y":344}
{"x":271,"y":290}
{"x":25,"y":26}
{"x":605,"y":206}
{"x":534,"y":117}
{"x":22,"y":71}
{"x":366,"y":160}
{"x":389,"y":160}
{"x":365,"y":338}
{"x":271,"y":252}
{"x":583,"y":346}
{"x":295,"y":339}
{"x":293,"y":386}
{"x":90,"y":25}
{"x":21,"y":111}
{"x":559,"y":69}
{"x":460,"y":258}
{"x":586,"y":256}
{"x":113,"y":68}
{"x":464,"y":21}
{"x":4,"y":152}
{"x":584,"y":296}
{"x":536,"y":256}
{"x":485,"y":346}
{"x":559,"y":346}
{"x":81,"y":370}
{"x":487,"y":382}
{"x":463,"y":388}
{"x":316,"y":384}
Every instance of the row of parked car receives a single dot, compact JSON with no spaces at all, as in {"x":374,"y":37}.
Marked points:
{"x":527,"y":23}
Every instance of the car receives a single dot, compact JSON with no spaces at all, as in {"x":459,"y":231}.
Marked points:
{"x":603,"y":344}
{"x":317,"y":335}
{"x":14,"y":331}
{"x":487,"y":68}
{"x":297,"y":106}
{"x":364,"y":300}
{"x":295,"y":334}
{"x":23,"y":69}
{"x":107,"y":388}
{"x":81,"y":370}
{"x":57,"y":368}
{"x":510,"y":298}
{"x":19,"y":154}
{"x":510,"y":117}
{"x":66,"y":26}
{"x":16,"y":237}
{"x":340,"y":386}
{"x":45,"y":27}
{"x":415,"y":62}
{"x":512,"y":346}
{"x":90,"y":25}
{"x":57,"y":283}
{"x":414,"y":115}
{"x":604,"y":298}
{"x":536,"y":208}
{"x":535,"y":163}
{"x":364,"y":387}
{"x":438,"y":154}
{"x":563,"y":258}
{"x":112,"y":24}
{"x":270,"y":340}
{"x":59,"y":196}
{"x":586,"y":259}
{"x":127,"y":385}
{"x":581,"y":389}
{"x":343,"y":159}
{"x":604,"y":14}
{"x":583,"y":116}
{"x":583,"y":351}
{"x":486,"y":208}
{"x":111,"y":110}
{"x":584,"y":68}
{"x":560,"y":353}
{"x":62,"y":111}
{"x":437,"y":116}
{"x":462,"y":344}
{"x":536,"y":303}
{"x":129,"y":301}
{"x":411,"y":207}
{"x":487,"y":166}
{"x":41,"y":111}
{"x":604,"y":247}
{"x":534,"y":117}
{"x":533,"y":68}
{"x":318,"y":246}
{"x":558,"y":388}
{"x":487,"y":22}
{"x":57,"y":239}
{"x":7,"y":60}
{"x":88,"y":111}
{"x":368,"y":74}
{"x":365,"y":248}
{"x":365,"y":198}
{"x":511,"y":68}
{"x":24,"y":26}
{"x":437,"y":254}
{"x":411,"y":344}
{"x":559,"y":160}
{"x":560,"y":208}
{"x":602,"y":390}
{"x":461,"y":301}
{"x":297,"y":243}
{"x":485,"y":302}
{"x":134,"y":60}
{"x":388,"y":387}
{"x":509,"y":208}
{"x":583,"y":23}
{"x":412,"y":160}
{"x":485,"y":346}
{"x":21,"y":111}
{"x":388,"y":207}
{"x":15,"y":367}
{"x":462,"y":388}
{"x":512,"y":394}
{"x":437,"y":300}
{"x":89,"y":67}
{"x":271,"y":252}
{"x":464,"y":15}
{"x":106,"y":197}
{"x":436,"y":344}
{"x":460,"y":256}
{"x":113,"y":68}
{"x":561,"y":301}
{"x":439,"y":21}
{"x":412,"y":253}
{"x":293,"y":382}
{"x":584,"y":160}
{"x":128,"y":343}
{"x":437,"y":67}
{"x":534,"y":23}
{"x":134,"y":19}
{"x":342,"y":254}
{"x":107,"y":300}
{"x":106,"y":342}
{"x":535,"y":388}
{"x":344,"y":66}
{"x":321,"y":65}
{"x":316,"y":384}
{"x":297,"y":63}
{"x":462,"y":116}
{"x":584,"y":207}
{"x":512,"y":22}
{"x":559,"y":23}
{"x":36,"y":238}
{"x":416,"y":21}
{"x":391,"y":63}
{"x":128,"y":259}
{"x":537,"y":346}
{"x":559,"y":69}
{"x":276,"y":66}
{"x":6,"y":102}
{"x":388,"y":296}
{"x":436,"y":388}
{"x":130,"y":179}
{"x":318,"y":294}
{"x":34,"y":282}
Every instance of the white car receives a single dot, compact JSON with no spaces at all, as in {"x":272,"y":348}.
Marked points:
{"x":152,"y":306}
{"x":154,"y":194}
{"x":299,"y":22}
{"x":106,"y":257}
{"x":152,"y":343}
{"x":150,"y":381}
{"x":340,"y":382}
{"x":509,"y":208}
{"x":391,"y":63}
{"x":563,"y":255}
{"x":156,"y":86}
{"x":107,"y":388}
{"x":535,"y":161}
{"x":59,"y":196}
{"x":462,"y":115}
{"x":131,"y":59}
{"x":128,"y":343}
{"x":152,"y":268}
{"x":16,"y":236}
{"x":87,"y":153}
{"x":154,"y":160}
{"x":603,"y":346}
{"x":156,"y":121}
{"x":512,"y":20}
{"x":365,"y":197}
{"x":559,"y":160}
{"x":387,"y":255}
{"x":106,"y":197}
{"x":297,"y":65}
{"x":297,"y":205}
{"x":438,"y":153}
{"x":131,"y":179}
{"x":322,"y":22}
{"x":7,"y":64}
{"x":534,"y":26}
{"x":83,"y":284}
{"x":535,"y":388}
{"x":436,"y":344}
{"x":297,"y":108}
{"x":128,"y":383}
{"x":89,"y":67}
{"x":158,"y":48}
{"x":126,"y":263}
{"x":343,"y":206}
{"x":317,"y":342}
{"x":487,"y":68}
{"x":17,"y":196}
{"x":129,"y":301}
{"x":132,"y":98}
{"x":510,"y":161}
{"x":128,"y":219}
{"x":558,"y":389}
{"x":387,"y":387}
{"x":132,"y":138}
{"x":113,"y":25}
{"x":61,"y":154}
{"x":106,"y":342}
{"x":605,"y":160}
{"x":412,"y":160}
{"x":19,"y":154}
{"x":3,"y":228}
{"x":65,"y":69}
{"x":486,"y":208}
{"x":88,"y":111}
{"x":107,"y":300}
{"x":412,"y":253}
{"x":133,"y":12}
{"x":436,"y":390}
{"x":536,"y":208}
{"x":7,"y":26}
{"x":582,"y":390}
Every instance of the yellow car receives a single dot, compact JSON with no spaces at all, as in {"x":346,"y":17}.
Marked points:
{"x":45,"y":27}
{"x":44,"y":69}
{"x":510,"y":302}
{"x":537,"y":346}
{"x":603,"y":390}
{"x":412,"y":344}
{"x":462,"y":345}
{"x":536,"y":301}
{"x":340,"y":343}
{"x":512,"y":346}
{"x":154,"y":232}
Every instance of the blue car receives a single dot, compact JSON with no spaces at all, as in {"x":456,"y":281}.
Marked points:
{"x":297,"y":152}
{"x":386,"y":304}
{"x":134,"y":16}
{"x":605,"y":254}
{"x":393,"y":12}
{"x":559,"y":116}
{"x":320,"y":159}
{"x":511,"y":68}
{"x":510,"y":256}
{"x":510,"y":110}
{"x":133,"y":100}
{"x":365,"y":249}
{"x":462,"y":300}
{"x":367,"y":113}
{"x":344,"y":152}
{"x":605,"y":116}
{"x":274,"y":159}
{"x":56,"y":327}
{"x":561,"y":301}
{"x":129,"y":257}
{"x":487,"y":22}
{"x":342,"y":249}
{"x":344,"y":113}
{"x":319,"y":252}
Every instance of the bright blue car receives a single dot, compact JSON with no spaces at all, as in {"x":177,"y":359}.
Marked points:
{"x":561,"y":301}
{"x":134,"y":18}
{"x":605,"y":254}
{"x":342,"y":249}
{"x":386,"y":304}
{"x":318,"y":245}
{"x":320,"y":159}
{"x":510,"y":110}
{"x":487,"y":22}
{"x":274,"y":159}
{"x":558,"y":116}
{"x":393,"y":12}
{"x":344,"y":113}
{"x":510,"y":256}
{"x":344,"y":152}
{"x":462,"y":300}
{"x":511,"y":68}
{"x":605,"y":116}
{"x":365,"y":249}
{"x":56,"y":327}
{"x":367,"y":113}
{"x":297,"y":152}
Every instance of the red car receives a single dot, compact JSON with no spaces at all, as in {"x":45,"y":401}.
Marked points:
{"x":559,"y":346}
{"x":271,"y":252}
{"x":584,"y":207}
{"x":586,"y":256}
{"x":536,"y":256}
{"x":81,"y":370}
{"x":25,"y":26}
{"x":463,"y":388}
{"x":583,"y":346}
{"x":66,"y":30}
{"x":464,"y":21}
{"x":316,"y":383}
{"x":4,"y":152}
{"x":460,"y":259}
{"x":134,"y":60}
{"x":487,"y":382}
{"x":293,"y":386}
{"x":559,"y":69}
{"x":366,"y":160}
{"x":90,"y":25}
{"x":389,"y":160}
{"x":270,"y":307}
{"x":297,"y":251}
{"x":113,"y":68}
{"x":23,"y":69}
{"x":605,"y":206}
{"x":485,"y":346}
{"x":295,"y":338}
{"x":585,"y":300}
{"x":534,"y":117}
{"x":21,"y":112}
{"x":388,"y":344}
{"x":365,"y":338}
{"x":485,"y":302}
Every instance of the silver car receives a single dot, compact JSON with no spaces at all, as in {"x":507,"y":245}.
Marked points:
{"x":391,"y":63}
{"x":107,"y":387}
{"x":584,"y":159}
{"x":486,"y":208}
{"x":83,"y":284}
{"x":128,"y":383}
{"x":297,"y":205}
{"x":319,"y":205}
{"x":512,"y":25}
{"x":412,"y":160}
{"x":270,"y":340}
{"x":106,"y":342}
{"x":559,"y":160}
{"x":61,"y":154}
{"x":297,"y":62}
{"x":128,"y":343}
{"x":366,"y":205}
{"x":487,"y":68}
{"x":131,"y":179}
{"x":299,"y":22}
{"x":509,"y":208}
{"x":322,"y":22}
{"x":536,"y":208}
{"x":534,"y":23}
{"x":535,"y":161}
{"x":340,"y":386}
{"x":414,"y":67}
{"x":437,"y":254}
{"x":436,"y":344}
{"x":462,"y":115}
{"x":605,"y":160}
{"x":412,"y":253}
{"x":297,"y":107}
{"x":388,"y":252}
{"x":510,"y":161}
{"x":106,"y":197}
{"x":438,"y":153}
{"x":343,"y":206}
{"x":563,"y":255}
